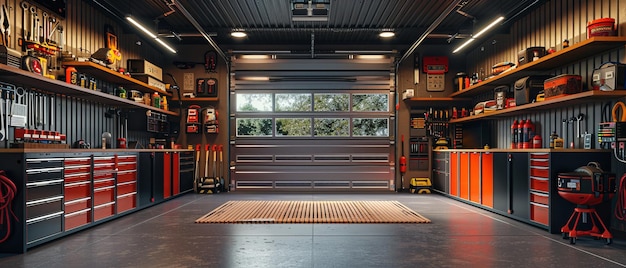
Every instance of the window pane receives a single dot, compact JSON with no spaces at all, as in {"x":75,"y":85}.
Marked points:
{"x":327,"y":127}
{"x":254,"y":127}
{"x":293,"y":127}
{"x":370,"y":102}
{"x":377,"y":127}
{"x":332,"y":102}
{"x":254,"y":102}
{"x":293,"y":102}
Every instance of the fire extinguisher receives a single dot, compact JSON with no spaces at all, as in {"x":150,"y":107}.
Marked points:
{"x":528,"y":130}
{"x":402,"y":164}
{"x":514,"y":135}
{"x":520,"y":134}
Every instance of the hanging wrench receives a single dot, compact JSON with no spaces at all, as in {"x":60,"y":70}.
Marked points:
{"x":25,"y":22}
{"x":2,"y":119}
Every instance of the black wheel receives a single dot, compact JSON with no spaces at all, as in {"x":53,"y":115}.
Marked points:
{"x":572,"y":240}
{"x":565,"y":235}
{"x":609,"y":241}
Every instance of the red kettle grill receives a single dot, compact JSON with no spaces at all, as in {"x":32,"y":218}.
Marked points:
{"x":586,"y":187}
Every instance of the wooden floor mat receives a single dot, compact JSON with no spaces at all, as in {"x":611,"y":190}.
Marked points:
{"x":312,"y":212}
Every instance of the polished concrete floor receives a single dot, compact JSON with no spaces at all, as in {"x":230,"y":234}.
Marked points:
{"x":460,"y":235}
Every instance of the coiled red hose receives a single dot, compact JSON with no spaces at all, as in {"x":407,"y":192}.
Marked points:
{"x":620,"y":207}
{"x":7,"y":194}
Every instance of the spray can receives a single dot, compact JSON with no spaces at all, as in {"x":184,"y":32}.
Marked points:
{"x":528,"y":134}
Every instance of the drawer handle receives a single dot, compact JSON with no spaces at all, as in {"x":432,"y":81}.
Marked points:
{"x":42,"y":160}
{"x":539,"y":178}
{"x":126,"y":183}
{"x":104,"y":205}
{"x":43,"y":183}
{"x":77,"y":201}
{"x":539,"y":194}
{"x":44,"y":201}
{"x":77,"y":213}
{"x":539,"y":205}
{"x":103,"y":188}
{"x":77,"y":159}
{"x":76,"y":175}
{"x":43,"y":170}
{"x":540,"y":167}
{"x":127,"y":195}
{"x":75,"y":184}
{"x":44,"y":217}
{"x":126,"y":171}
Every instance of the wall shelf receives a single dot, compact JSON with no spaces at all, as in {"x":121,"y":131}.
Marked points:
{"x":434,"y":101}
{"x":203,"y":99}
{"x":114,"y":77}
{"x":559,"y":102}
{"x":24,"y":78}
{"x":565,"y":56}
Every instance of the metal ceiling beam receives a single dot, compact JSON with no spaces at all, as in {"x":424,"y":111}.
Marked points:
{"x":198,"y":27}
{"x":451,"y":8}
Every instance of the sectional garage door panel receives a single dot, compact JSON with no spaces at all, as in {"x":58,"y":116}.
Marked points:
{"x":328,"y":127}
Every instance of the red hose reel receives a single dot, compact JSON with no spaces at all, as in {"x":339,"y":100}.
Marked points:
{"x":7,"y":194}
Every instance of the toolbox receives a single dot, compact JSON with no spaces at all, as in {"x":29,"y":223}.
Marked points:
{"x":139,"y":67}
{"x":562,"y":85}
{"x":609,"y":77}
{"x":530,"y":54}
{"x":527,"y":88}
{"x":601,"y":27}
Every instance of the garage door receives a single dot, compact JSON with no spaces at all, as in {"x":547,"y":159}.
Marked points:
{"x":312,"y":124}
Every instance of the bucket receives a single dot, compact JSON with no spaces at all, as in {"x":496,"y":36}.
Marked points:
{"x":601,"y":27}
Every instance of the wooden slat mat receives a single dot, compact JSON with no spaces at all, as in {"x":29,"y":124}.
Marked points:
{"x":312,"y":212}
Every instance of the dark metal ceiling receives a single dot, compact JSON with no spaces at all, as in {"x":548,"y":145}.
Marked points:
{"x":351,"y":24}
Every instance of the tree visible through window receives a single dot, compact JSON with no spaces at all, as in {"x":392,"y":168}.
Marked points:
{"x":370,"y":102}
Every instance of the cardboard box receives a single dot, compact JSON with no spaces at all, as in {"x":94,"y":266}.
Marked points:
{"x":562,"y":85}
{"x":150,"y":81}
{"x":139,"y":67}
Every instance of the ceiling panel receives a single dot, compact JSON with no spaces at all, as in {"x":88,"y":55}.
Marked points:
{"x":351,"y":23}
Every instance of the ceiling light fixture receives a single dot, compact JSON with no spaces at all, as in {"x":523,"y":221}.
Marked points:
{"x":238,"y":34}
{"x":481,"y":32}
{"x":387,"y":34}
{"x":150,"y":34}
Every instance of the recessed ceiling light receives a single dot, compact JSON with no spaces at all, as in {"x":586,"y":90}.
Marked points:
{"x":387,"y":34}
{"x":238,"y":34}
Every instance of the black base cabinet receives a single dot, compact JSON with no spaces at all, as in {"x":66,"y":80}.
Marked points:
{"x":62,"y":193}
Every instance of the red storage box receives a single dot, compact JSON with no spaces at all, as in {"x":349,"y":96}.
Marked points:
{"x":601,"y":27}
{"x":562,"y":85}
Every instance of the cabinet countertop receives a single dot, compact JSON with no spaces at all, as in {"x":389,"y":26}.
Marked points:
{"x":541,"y":150}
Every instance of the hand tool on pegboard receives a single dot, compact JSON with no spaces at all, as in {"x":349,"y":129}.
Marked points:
{"x":6,"y":26}
{"x":196,"y":178}
{"x":221,"y":168}
{"x":19,"y":110}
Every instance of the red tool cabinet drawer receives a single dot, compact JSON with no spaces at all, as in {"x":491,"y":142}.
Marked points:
{"x":124,"y":166}
{"x":103,"y":195}
{"x":77,"y":178}
{"x":126,"y":188}
{"x":77,"y":219}
{"x":77,"y":205}
{"x":83,"y":161}
{"x":539,"y":163}
{"x":70,"y":170}
{"x":539,"y":213}
{"x":539,"y":172}
{"x":103,"y":183}
{"x":126,"y":202}
{"x":540,"y":156}
{"x":126,"y":176}
{"x":539,"y":184}
{"x":77,"y":190}
{"x":103,"y":211}
{"x":540,"y":198}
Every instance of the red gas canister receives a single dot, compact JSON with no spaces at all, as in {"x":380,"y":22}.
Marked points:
{"x":537,"y":142}
{"x":520,"y":134}
{"x":528,"y":133}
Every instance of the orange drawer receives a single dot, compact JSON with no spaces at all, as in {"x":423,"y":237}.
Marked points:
{"x":104,"y":160}
{"x":77,"y":219}
{"x":103,"y":211}
{"x":77,"y":190}
{"x":103,"y":195}
{"x":77,"y":178}
{"x":77,"y":205}
{"x":539,"y":213}
{"x":126,"y":176}
{"x":126,"y":188}
{"x":540,"y":198}
{"x":540,"y":172}
{"x":539,"y":163}
{"x":539,"y":184}
{"x":126,"y":202}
